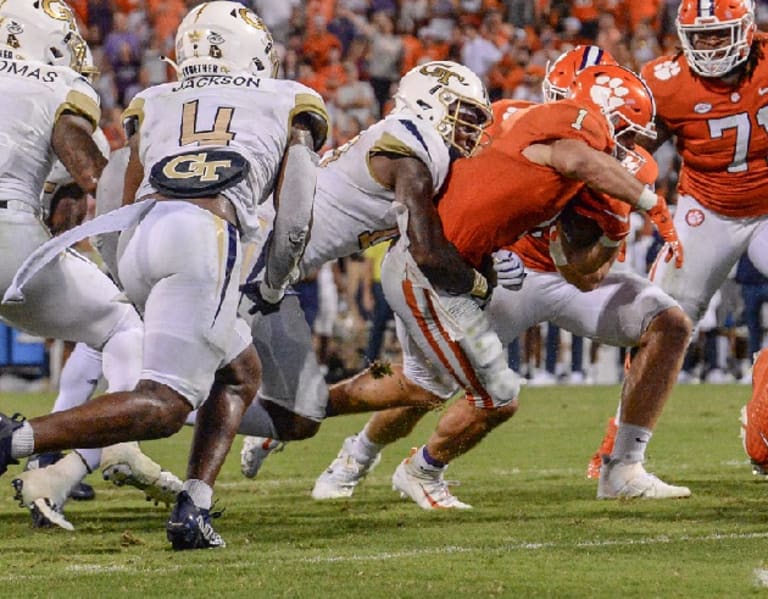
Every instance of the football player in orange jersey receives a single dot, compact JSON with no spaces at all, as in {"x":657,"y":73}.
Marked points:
{"x":721,"y":128}
{"x":492,"y":221}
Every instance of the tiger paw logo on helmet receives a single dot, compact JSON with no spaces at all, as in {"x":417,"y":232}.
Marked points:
{"x":608,"y":92}
{"x":666,"y":70}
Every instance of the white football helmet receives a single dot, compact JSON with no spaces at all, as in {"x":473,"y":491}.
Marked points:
{"x":451,"y":97}
{"x":732,"y":20}
{"x":224,"y":37}
{"x":42,"y":30}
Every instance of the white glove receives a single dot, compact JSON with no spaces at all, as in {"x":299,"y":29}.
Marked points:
{"x":510,"y":270}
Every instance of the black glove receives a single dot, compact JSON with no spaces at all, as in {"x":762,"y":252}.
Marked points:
{"x":252,"y":290}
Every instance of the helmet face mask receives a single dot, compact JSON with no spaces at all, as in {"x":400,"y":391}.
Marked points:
{"x":452,"y":98}
{"x":561,"y":73}
{"x":224,"y":37}
{"x":42,"y":31}
{"x":716,"y":35}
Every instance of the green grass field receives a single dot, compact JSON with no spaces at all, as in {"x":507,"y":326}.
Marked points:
{"x":536,"y":529}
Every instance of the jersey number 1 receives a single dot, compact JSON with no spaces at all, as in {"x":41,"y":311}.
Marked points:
{"x":578,"y":123}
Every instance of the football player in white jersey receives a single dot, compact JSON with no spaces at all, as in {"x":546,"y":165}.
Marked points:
{"x":45,"y":492}
{"x":51,"y":112}
{"x":204,"y":153}
{"x":380,"y":184}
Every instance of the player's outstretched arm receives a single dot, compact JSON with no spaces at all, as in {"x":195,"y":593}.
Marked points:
{"x":294,"y":198}
{"x":575,"y":159}
{"x":437,"y":257}
{"x":72,"y":141}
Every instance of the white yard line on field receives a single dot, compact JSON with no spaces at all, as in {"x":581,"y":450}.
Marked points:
{"x":761,"y":575}
{"x":533,"y":546}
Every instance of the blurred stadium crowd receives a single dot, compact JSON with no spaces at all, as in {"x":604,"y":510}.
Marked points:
{"x":354,"y":52}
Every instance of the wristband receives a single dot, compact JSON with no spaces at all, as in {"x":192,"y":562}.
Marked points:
{"x":647,"y":200}
{"x":269,"y":294}
{"x":480,"y":287}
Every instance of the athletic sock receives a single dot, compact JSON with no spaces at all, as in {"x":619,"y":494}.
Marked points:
{"x":363,"y":449}
{"x":200,"y":492}
{"x":23,"y":441}
{"x":631,"y":442}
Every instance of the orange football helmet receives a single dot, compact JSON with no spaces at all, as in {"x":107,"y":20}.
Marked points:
{"x":731,"y":21}
{"x":625,"y":100}
{"x":560,"y":73}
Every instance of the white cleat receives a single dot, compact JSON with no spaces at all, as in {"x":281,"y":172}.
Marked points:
{"x":126,"y":464}
{"x":44,"y":492}
{"x":427,"y":488}
{"x":255,"y":450}
{"x":339,"y":480}
{"x":627,"y":481}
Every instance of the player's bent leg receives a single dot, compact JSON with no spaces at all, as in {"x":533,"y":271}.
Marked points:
{"x":754,"y":417}
{"x":218,"y":418}
{"x":420,"y":477}
{"x":378,"y":388}
{"x":647,"y":386}
{"x":654,"y":368}
{"x":361,"y":453}
{"x":293,"y":394}
{"x":288,"y":426}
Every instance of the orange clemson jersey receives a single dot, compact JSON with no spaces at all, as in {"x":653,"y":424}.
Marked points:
{"x":722,"y":132}
{"x":503,"y":110}
{"x":611,"y":215}
{"x":494,"y":197}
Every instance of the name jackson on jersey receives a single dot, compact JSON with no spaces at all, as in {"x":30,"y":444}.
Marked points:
{"x":209,"y":80}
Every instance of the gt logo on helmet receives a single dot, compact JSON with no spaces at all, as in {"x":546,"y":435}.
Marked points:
{"x":56,"y":9}
{"x":252,"y":19}
{"x":442,"y":74}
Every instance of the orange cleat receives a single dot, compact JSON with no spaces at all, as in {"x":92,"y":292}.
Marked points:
{"x":606,"y":447}
{"x":754,"y":417}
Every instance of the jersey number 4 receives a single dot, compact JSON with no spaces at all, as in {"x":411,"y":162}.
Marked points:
{"x":743,"y":126}
{"x":218,"y":135}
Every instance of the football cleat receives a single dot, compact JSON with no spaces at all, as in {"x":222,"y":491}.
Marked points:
{"x":344,"y":474}
{"x":126,"y":464}
{"x":605,"y":449}
{"x":255,"y":450}
{"x":7,"y":426}
{"x":754,"y":417}
{"x":44,"y":491}
{"x":80,"y":492}
{"x":189,"y":526}
{"x":619,"y":480}
{"x":755,"y":442}
{"x":427,"y":488}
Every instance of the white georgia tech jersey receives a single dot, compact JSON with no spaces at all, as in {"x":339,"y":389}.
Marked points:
{"x":352,"y":209}
{"x":34,"y":96}
{"x":242,"y":113}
